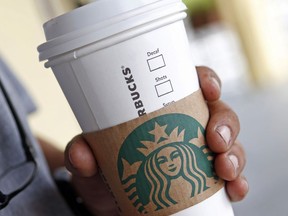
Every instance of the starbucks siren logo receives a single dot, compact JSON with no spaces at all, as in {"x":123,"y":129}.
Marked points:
{"x":160,"y":156}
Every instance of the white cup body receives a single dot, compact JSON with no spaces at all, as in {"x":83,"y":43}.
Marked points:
{"x":118,"y":83}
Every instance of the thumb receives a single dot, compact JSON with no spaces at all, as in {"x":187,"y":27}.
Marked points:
{"x":79,"y":158}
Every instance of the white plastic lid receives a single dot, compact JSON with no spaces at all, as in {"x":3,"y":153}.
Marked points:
{"x":99,"y":20}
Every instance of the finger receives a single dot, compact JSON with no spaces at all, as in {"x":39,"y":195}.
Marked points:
{"x":237,"y":189}
{"x":229,"y":165}
{"x":209,"y":83}
{"x":223,"y":127}
{"x":79,"y":158}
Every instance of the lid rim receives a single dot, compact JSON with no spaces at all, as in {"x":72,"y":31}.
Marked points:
{"x":82,"y":51}
{"x":63,"y":44}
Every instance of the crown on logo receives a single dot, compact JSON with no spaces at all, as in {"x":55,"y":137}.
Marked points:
{"x":161,"y":138}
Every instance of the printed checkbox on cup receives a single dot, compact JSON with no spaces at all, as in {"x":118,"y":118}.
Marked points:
{"x":156,"y":63}
{"x":164,"y":88}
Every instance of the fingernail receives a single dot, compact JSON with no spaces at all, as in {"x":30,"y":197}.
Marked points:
{"x":71,"y":153}
{"x":234,"y":160}
{"x":71,"y":159}
{"x":245,"y":183}
{"x":216,"y":83}
{"x":225,"y":133}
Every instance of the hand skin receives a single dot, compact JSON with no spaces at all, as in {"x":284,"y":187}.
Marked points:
{"x":221,"y":135}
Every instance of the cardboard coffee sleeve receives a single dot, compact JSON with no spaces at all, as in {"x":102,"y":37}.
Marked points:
{"x":159,"y":164}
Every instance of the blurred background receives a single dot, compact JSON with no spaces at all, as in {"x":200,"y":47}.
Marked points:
{"x":245,"y":42}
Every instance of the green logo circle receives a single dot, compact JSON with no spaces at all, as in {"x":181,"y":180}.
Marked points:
{"x":159,"y":156}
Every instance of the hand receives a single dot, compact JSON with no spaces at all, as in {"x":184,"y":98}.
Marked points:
{"x":86,"y":179}
{"x":221,"y":136}
{"x":222,"y":130}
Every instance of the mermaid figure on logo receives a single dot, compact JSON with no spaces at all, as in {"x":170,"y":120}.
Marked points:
{"x":170,"y":166}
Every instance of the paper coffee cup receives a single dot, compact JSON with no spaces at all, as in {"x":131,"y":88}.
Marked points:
{"x":119,"y":60}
